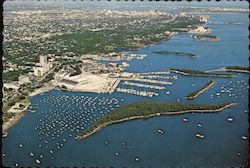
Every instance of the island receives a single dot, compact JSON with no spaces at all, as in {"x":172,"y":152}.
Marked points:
{"x":205,"y":37}
{"x":201,"y":90}
{"x":142,"y":110}
{"x":188,"y":72}
{"x":166,"y":52}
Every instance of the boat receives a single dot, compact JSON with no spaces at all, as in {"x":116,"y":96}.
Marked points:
{"x":244,"y":137}
{"x":137,"y":159}
{"x":160,"y":131}
{"x":38,"y":161}
{"x":31,"y":154}
{"x":230,"y":119}
{"x":198,"y":135}
{"x":185,"y":119}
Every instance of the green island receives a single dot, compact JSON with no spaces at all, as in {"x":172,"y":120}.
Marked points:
{"x":238,"y":69}
{"x":201,"y":90}
{"x":166,"y":52}
{"x":199,"y":73}
{"x":206,"y":37}
{"x":143,"y":110}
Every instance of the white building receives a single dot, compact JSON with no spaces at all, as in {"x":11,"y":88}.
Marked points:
{"x":43,"y":60}
{"x":23,"y":79}
{"x":39,"y":71}
{"x":203,"y":18}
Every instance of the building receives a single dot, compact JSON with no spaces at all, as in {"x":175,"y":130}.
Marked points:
{"x":23,"y":79}
{"x":39,"y":71}
{"x":43,"y":60}
{"x":203,"y":18}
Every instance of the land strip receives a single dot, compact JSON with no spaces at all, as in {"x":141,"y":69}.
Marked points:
{"x":201,"y":90}
{"x":199,"y":73}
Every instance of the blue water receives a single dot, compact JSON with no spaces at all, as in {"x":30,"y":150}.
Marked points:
{"x":178,"y":146}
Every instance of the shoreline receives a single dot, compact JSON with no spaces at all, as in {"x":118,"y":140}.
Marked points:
{"x":152,"y":115}
{"x":18,"y":115}
{"x":12,"y":121}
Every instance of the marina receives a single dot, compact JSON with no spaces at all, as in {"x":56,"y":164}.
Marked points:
{"x":45,"y":136}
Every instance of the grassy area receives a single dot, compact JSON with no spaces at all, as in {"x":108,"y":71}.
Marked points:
{"x":149,"y":109}
{"x":166,"y":52}
{"x":200,"y":73}
{"x":201,"y":90}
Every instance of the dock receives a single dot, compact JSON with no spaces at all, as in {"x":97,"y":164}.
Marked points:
{"x":136,"y":92}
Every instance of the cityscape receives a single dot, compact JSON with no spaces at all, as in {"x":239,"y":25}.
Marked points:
{"x":116,"y":85}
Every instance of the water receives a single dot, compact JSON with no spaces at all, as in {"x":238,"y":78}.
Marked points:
{"x":178,"y":146}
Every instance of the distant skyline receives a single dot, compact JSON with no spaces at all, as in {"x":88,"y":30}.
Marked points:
{"x":123,"y":5}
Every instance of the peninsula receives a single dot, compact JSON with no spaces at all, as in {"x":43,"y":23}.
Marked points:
{"x":150,"y":109}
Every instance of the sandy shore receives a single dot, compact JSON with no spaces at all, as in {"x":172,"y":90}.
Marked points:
{"x":12,"y":121}
{"x":152,"y":115}
{"x":18,"y":114}
{"x":41,"y":90}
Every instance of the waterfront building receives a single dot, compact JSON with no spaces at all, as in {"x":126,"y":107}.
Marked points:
{"x":203,"y":18}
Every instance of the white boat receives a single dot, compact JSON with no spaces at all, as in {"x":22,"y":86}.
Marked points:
{"x":199,"y":135}
{"x":38,"y":161}
{"x":185,"y":119}
{"x":230,"y":119}
{"x":244,"y":137}
{"x":137,"y":159}
{"x":160,"y":131}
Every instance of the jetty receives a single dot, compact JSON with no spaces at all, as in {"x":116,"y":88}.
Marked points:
{"x":154,"y":73}
{"x":144,"y":85}
{"x":136,"y":92}
{"x":158,"y":77}
{"x":148,"y":81}
{"x":201,"y":90}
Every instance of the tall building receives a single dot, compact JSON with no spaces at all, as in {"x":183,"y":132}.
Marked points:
{"x":43,"y":61}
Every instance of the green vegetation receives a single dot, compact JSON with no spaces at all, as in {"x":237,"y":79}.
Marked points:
{"x":201,"y":90}
{"x":25,"y":98}
{"x":166,"y":52}
{"x":199,"y":73}
{"x":149,"y":109}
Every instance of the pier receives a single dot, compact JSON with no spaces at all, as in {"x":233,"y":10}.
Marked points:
{"x":136,"y":92}
{"x":148,"y":81}
{"x":144,"y":85}
{"x":158,"y":77}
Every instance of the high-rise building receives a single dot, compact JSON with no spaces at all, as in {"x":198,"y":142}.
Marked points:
{"x":43,"y":61}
